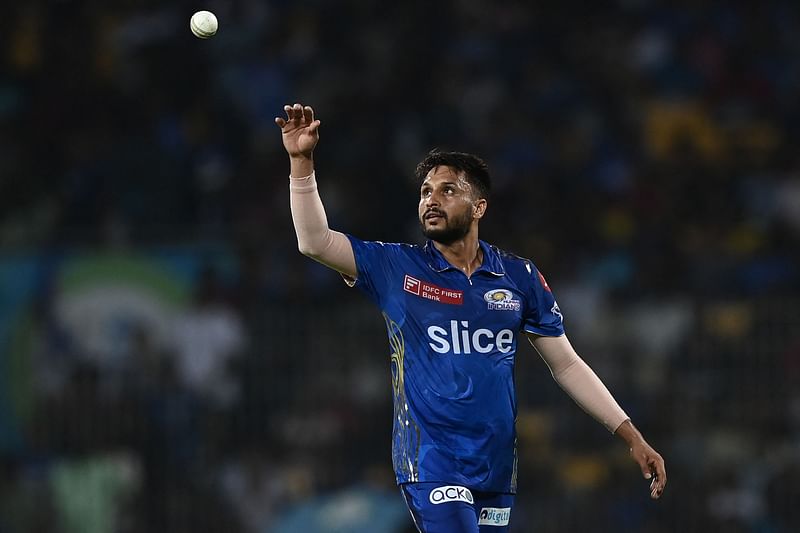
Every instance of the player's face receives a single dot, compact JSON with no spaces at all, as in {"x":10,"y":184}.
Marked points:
{"x":447,"y":205}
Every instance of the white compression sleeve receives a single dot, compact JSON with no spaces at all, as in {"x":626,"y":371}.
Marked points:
{"x":579,"y":381}
{"x":314,"y":238}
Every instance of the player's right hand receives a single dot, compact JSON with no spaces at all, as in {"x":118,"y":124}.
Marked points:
{"x":300,"y":130}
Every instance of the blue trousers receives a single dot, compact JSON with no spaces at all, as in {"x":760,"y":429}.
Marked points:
{"x":447,"y":508}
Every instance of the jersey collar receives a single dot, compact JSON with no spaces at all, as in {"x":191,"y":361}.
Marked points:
{"x":491,"y":260}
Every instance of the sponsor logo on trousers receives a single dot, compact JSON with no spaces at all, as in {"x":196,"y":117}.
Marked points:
{"x":494,"y":516}
{"x":450,"y":493}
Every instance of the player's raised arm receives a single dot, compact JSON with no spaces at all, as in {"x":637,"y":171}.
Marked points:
{"x":300,"y":132}
{"x":582,"y":384}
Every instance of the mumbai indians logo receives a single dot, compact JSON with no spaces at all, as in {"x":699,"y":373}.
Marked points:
{"x":501,"y":300}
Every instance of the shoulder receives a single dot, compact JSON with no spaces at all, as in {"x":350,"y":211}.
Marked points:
{"x":521,"y":270}
{"x":514,"y":264}
{"x":397,"y":248}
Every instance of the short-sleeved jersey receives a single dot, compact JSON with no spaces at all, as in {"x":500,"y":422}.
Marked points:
{"x":453,"y":341}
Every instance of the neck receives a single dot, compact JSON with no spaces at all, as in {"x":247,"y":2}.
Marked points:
{"x":464,"y":254}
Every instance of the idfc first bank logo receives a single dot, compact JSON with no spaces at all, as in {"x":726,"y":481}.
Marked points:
{"x":451,"y":493}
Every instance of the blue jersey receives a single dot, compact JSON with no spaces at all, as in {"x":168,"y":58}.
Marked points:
{"x":453,"y":340}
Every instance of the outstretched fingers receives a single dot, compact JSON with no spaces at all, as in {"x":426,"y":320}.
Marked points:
{"x":281,"y":122}
{"x":308,"y":117}
{"x":298,"y":115}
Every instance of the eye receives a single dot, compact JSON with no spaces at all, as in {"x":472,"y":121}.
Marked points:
{"x":425,"y":193}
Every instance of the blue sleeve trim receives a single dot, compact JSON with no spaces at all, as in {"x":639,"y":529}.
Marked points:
{"x":545,"y":332}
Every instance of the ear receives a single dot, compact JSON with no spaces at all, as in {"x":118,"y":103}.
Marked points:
{"x":479,"y":208}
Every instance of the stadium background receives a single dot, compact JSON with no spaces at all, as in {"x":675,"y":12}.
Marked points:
{"x":170,"y":363}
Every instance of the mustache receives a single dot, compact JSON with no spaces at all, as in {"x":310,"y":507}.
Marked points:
{"x":434,"y":212}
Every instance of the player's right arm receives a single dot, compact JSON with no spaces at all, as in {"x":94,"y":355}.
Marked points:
{"x":300,"y":132}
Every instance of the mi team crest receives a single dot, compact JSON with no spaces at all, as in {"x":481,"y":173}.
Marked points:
{"x":501,"y":300}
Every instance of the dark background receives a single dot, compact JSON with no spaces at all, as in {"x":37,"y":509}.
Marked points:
{"x":644,"y":155}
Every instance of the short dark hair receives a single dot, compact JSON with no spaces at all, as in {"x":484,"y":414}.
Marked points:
{"x":475,"y":169}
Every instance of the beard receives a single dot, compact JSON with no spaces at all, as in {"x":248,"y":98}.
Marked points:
{"x":454,"y":229}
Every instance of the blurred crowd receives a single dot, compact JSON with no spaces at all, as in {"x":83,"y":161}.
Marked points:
{"x":644,"y":155}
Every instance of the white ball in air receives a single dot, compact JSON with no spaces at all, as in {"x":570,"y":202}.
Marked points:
{"x":203,"y":24}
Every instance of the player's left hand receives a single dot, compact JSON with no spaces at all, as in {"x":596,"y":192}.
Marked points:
{"x":652,"y":465}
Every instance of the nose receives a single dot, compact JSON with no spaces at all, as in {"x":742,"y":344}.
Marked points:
{"x":432,"y":200}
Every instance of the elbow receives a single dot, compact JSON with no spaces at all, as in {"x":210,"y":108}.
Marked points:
{"x":560,"y":372}
{"x":314,"y":250}
{"x":310,"y":238}
{"x":308,"y":251}
{"x":313,"y":245}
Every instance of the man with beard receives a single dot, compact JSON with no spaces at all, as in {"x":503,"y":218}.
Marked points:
{"x":453,"y":310}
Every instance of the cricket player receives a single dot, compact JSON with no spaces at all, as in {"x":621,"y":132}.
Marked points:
{"x":454,"y":310}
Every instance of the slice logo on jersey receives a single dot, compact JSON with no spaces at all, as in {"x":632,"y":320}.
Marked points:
{"x":501,"y":300}
{"x":461,"y":339}
{"x":494,"y":516}
{"x":450,"y":493}
{"x":432,"y":292}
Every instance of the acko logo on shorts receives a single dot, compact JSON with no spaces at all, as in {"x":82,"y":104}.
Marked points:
{"x":494,"y":516}
{"x":450,"y":493}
